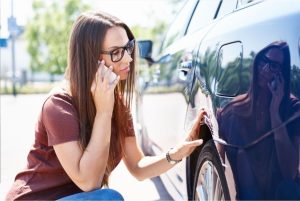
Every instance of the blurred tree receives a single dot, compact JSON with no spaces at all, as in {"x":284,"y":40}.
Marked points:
{"x":156,"y":33}
{"x":48,"y":31}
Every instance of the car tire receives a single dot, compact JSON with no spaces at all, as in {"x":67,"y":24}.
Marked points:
{"x":209,"y":181}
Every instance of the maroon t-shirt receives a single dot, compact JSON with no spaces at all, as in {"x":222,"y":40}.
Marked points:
{"x":44,"y":177}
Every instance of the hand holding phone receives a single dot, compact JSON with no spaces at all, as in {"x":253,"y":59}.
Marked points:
{"x":274,"y":84}
{"x":112,"y":77}
{"x":103,"y":90}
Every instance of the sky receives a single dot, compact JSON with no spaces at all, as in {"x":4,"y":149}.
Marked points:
{"x":142,"y":12}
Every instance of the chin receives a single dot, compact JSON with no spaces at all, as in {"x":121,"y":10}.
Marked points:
{"x":124,"y":77}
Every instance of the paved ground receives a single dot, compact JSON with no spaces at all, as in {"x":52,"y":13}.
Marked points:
{"x":18,"y":116}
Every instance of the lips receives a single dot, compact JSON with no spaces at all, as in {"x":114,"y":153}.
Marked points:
{"x":125,"y":69}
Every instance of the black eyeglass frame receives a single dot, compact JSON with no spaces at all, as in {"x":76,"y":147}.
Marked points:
{"x":274,"y":66}
{"x":127,"y":47}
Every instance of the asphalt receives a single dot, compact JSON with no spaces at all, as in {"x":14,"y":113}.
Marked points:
{"x":17,"y":120}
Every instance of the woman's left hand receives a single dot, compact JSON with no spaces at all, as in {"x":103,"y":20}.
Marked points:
{"x":192,"y":140}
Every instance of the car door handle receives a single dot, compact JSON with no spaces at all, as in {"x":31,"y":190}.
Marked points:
{"x":185,"y":66}
{"x":183,"y":69}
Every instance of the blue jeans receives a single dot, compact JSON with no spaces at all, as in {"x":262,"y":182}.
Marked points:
{"x":99,"y":194}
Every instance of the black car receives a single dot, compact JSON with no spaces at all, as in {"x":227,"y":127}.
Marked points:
{"x":240,"y":60}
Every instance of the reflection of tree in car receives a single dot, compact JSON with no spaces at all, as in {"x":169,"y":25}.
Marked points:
{"x":229,"y":77}
{"x":295,"y":80}
{"x":262,"y":129}
{"x":208,"y":66}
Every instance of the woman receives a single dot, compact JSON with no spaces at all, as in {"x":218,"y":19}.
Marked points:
{"x":85,"y":130}
{"x":263,"y":127}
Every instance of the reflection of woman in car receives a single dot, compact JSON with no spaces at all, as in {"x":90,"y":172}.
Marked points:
{"x":263,"y":141}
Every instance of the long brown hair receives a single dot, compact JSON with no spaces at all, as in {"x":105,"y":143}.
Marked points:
{"x":85,"y":44}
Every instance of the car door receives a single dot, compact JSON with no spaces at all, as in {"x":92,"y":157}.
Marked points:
{"x":226,"y":70}
{"x":164,"y":97}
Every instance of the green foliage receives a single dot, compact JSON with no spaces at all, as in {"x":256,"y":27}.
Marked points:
{"x":154,"y":33}
{"x":48,"y":31}
{"x":29,"y":88}
{"x":295,"y":81}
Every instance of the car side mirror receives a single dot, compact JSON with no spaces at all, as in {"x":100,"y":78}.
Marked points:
{"x":145,"y":50}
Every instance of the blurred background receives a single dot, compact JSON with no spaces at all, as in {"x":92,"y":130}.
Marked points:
{"x":33,"y":57}
{"x":34,"y":35}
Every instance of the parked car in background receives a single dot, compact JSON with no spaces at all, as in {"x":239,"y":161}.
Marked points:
{"x":240,"y":60}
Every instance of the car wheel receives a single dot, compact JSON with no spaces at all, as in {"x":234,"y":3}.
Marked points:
{"x":209,"y":182}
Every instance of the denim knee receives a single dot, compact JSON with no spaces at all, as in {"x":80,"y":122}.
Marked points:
{"x":99,"y":194}
{"x":112,"y":194}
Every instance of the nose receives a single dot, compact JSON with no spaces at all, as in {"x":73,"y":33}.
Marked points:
{"x":127,"y":57}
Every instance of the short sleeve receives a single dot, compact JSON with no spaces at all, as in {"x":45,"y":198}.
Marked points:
{"x":60,"y":119}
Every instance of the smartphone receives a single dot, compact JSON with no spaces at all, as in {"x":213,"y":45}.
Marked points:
{"x":112,"y":77}
{"x":274,"y":84}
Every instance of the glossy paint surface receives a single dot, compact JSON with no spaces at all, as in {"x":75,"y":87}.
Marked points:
{"x":244,"y":68}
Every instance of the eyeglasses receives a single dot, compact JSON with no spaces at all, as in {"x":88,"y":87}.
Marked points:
{"x":118,"y":53}
{"x":273,"y":65}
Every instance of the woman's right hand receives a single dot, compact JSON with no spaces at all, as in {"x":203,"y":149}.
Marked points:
{"x":192,"y":140}
{"x":277,"y":94}
{"x":102,"y":90}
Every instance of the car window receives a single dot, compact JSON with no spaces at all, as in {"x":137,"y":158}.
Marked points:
{"x":179,"y":25}
{"x":229,"y":69}
{"x":203,"y":15}
{"x":226,"y":7}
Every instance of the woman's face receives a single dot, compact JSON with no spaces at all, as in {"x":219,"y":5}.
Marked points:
{"x":118,"y":49}
{"x":270,"y":65}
